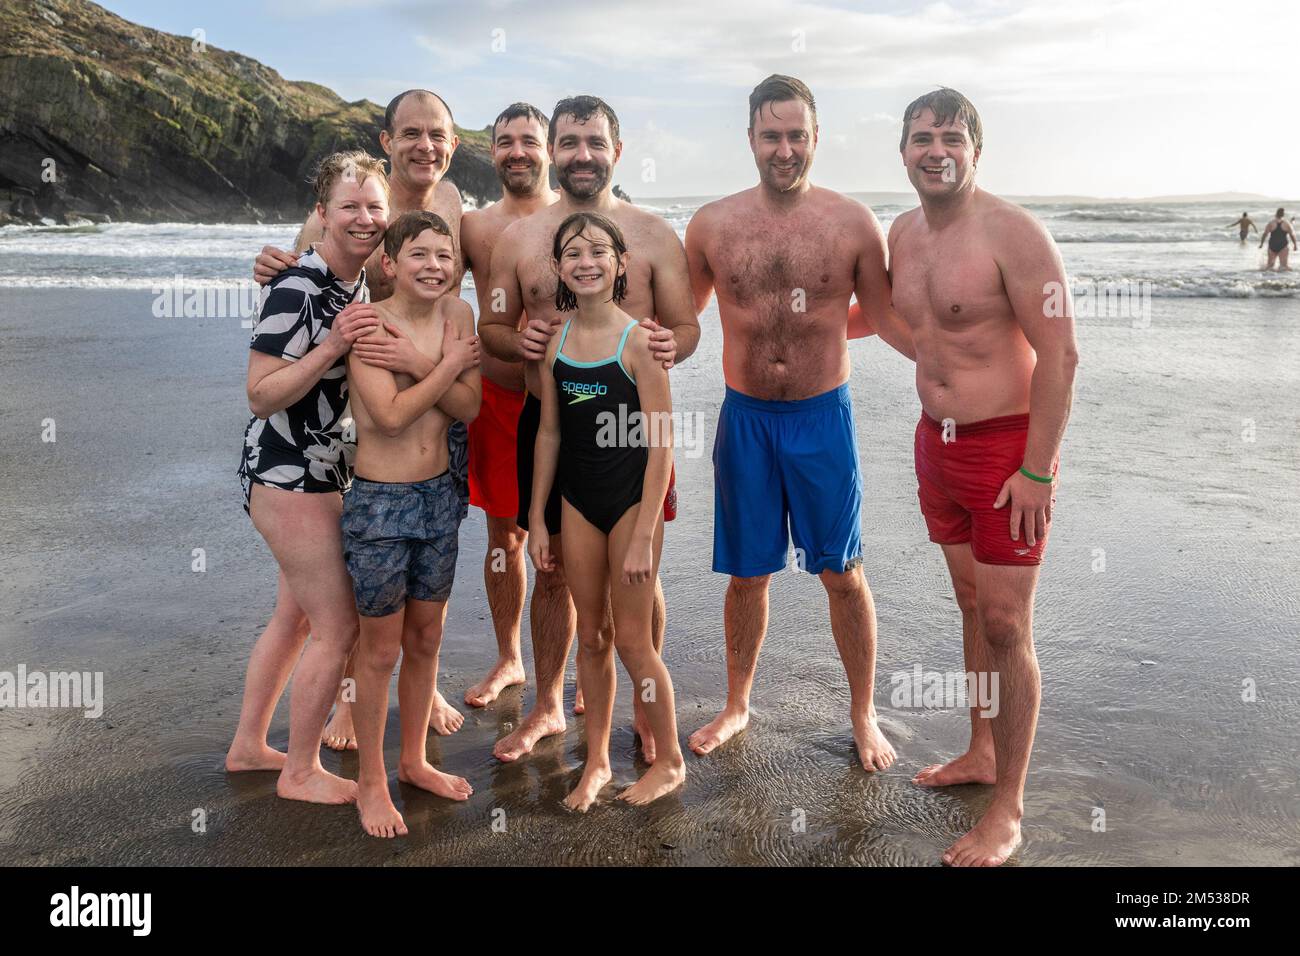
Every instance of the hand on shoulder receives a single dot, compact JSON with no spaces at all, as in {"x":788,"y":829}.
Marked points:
{"x":638,"y":354}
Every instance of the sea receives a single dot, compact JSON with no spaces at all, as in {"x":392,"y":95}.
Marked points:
{"x":1173,"y":249}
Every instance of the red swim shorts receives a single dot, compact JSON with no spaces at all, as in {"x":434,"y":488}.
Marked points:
{"x":493,"y":484}
{"x":958,"y":481}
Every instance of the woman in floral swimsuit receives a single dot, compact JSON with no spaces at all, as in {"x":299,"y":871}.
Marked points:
{"x":298,"y":452}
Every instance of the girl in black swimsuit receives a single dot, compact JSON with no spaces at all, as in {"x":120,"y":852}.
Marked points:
{"x":606,"y":431}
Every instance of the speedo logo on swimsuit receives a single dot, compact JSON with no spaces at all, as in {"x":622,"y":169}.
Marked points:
{"x":581,"y":391}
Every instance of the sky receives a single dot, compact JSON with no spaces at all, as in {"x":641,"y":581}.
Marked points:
{"x":1113,"y":98}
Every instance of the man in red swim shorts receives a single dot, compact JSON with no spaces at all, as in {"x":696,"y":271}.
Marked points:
{"x":981,"y":286}
{"x":523,"y":167}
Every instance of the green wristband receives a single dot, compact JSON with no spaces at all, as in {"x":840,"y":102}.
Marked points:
{"x":1029,"y":474}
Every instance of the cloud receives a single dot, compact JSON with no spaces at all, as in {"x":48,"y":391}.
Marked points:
{"x":1090,"y":83}
{"x":1018,"y":51}
{"x":450,"y":57}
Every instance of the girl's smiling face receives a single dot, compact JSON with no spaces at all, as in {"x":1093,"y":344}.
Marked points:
{"x":589,"y":263}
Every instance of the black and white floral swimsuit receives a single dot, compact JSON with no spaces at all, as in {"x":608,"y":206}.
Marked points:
{"x":311,"y":445}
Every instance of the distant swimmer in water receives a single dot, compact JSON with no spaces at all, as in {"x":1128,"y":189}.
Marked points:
{"x":1244,"y":225}
{"x":1276,"y":234}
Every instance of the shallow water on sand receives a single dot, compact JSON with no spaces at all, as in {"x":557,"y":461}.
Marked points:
{"x":1198,"y":526}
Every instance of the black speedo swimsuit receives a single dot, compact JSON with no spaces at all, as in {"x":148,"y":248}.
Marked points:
{"x":1277,"y":239}
{"x":601,"y":472}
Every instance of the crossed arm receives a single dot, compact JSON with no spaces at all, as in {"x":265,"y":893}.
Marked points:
{"x":453,"y":385}
{"x":275,"y":383}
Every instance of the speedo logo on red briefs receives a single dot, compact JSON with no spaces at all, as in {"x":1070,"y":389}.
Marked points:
{"x":581,"y":391}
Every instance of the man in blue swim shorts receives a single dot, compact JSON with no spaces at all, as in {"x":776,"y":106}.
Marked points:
{"x":784,"y":258}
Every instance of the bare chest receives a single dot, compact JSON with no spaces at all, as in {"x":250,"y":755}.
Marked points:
{"x":949,"y":283}
{"x":479,"y":242}
{"x":783,"y":265}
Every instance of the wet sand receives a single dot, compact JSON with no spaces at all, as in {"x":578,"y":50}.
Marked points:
{"x":1201,"y":532}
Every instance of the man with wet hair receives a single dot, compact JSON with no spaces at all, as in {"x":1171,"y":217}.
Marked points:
{"x":419,"y":138}
{"x":978,"y":281}
{"x":583,"y":144}
{"x":784,"y":258}
{"x":519,"y":136}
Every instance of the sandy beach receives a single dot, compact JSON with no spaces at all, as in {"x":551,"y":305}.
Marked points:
{"x":1143,"y":663}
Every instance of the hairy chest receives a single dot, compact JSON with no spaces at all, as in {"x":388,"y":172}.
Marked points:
{"x":782,"y":266}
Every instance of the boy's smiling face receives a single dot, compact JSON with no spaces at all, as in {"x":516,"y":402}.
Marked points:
{"x":424,"y":268}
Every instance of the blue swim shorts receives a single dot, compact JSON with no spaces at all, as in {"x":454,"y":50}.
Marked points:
{"x":400,"y":541}
{"x":786,"y":465}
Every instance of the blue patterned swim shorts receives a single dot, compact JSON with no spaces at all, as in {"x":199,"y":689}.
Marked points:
{"x":400,"y":541}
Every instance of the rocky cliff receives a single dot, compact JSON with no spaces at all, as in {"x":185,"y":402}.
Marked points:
{"x":100,"y":117}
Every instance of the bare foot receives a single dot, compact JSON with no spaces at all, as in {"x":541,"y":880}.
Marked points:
{"x":970,"y":767}
{"x":641,"y":728}
{"x":521,"y":741}
{"x":339,"y":733}
{"x":444,"y":719}
{"x":240,"y":758}
{"x":317,"y":785}
{"x":579,"y":705}
{"x":663,"y":778}
{"x":989,"y":842}
{"x":584,"y":794}
{"x":427,"y":777}
{"x":379,"y":817}
{"x":506,"y":673}
{"x":718,"y":731}
{"x":875,"y":752}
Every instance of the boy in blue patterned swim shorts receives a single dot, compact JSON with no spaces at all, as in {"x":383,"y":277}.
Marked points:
{"x":402,"y":516}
